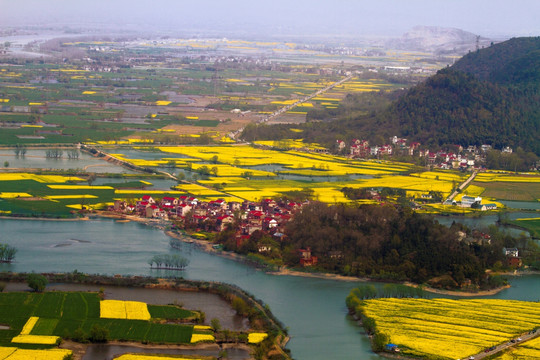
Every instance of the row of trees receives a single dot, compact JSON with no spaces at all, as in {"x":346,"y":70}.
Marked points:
{"x":20,"y":150}
{"x":57,"y":153}
{"x":168,"y":261}
{"x":7,"y":253}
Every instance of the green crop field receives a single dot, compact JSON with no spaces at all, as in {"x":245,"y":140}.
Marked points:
{"x":518,"y":191}
{"x":168,"y":312}
{"x":532,"y":225}
{"x":61,"y":313}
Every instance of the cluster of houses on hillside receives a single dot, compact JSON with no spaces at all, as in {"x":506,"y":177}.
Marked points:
{"x":269,"y":215}
{"x":464,"y":159}
{"x":362,"y":149}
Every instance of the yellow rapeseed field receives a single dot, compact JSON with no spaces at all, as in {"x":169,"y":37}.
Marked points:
{"x":408,"y":183}
{"x":201,"y":327}
{"x":12,"y":195}
{"x":198,"y":190}
{"x":36,"y":339}
{"x":118,"y":309}
{"x":148,"y":192}
{"x":450,"y":329}
{"x":30,"y":323}
{"x":78,"y":196}
{"x":255,"y":338}
{"x":38,"y":178}
{"x":228,"y":170}
{"x":526,"y":351}
{"x":28,"y":354}
{"x":195,"y":338}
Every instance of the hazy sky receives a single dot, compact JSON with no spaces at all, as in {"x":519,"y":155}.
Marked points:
{"x":294,"y":17}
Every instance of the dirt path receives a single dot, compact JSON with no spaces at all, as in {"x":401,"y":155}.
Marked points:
{"x":462,"y":186}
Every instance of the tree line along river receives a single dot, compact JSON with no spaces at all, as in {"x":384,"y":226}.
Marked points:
{"x":313,"y":309}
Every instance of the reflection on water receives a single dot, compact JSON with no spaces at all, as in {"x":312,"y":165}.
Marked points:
{"x":38,"y":159}
{"x":483,"y":222}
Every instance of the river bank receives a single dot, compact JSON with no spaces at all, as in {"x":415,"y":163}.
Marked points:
{"x":44,"y":218}
{"x":283,"y":271}
{"x":207,"y":247}
{"x":80,"y":350}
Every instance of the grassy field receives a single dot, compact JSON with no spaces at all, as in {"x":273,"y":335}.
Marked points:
{"x":518,"y":191}
{"x":450,"y":329}
{"x":532,"y":225}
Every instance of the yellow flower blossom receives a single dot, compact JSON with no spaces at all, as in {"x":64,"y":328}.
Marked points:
{"x":195,"y":338}
{"x":36,"y":339}
{"x":27,"y":328}
{"x":118,"y":309}
{"x":255,"y":338}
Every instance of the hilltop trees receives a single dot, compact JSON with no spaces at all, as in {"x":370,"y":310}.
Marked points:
{"x":386,"y":242}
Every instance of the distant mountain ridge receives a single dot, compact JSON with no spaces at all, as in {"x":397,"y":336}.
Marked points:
{"x":438,"y":40}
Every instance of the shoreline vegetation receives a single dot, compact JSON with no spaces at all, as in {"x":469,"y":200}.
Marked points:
{"x":207,"y":247}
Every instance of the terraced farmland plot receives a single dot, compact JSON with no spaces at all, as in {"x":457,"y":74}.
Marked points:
{"x":450,"y":329}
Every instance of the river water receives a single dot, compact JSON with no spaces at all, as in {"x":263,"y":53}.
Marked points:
{"x":313,"y":309}
{"x":36,"y":158}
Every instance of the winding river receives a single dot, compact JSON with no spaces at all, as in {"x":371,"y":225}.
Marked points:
{"x":313,"y":309}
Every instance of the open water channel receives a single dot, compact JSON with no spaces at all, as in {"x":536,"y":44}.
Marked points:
{"x":313,"y":309}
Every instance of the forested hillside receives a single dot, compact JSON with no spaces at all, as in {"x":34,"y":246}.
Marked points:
{"x":453,"y":107}
{"x":491,"y":96}
{"x":390,"y":242}
{"x":516,"y":61}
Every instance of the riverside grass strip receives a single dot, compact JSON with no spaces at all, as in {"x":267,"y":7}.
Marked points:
{"x":450,"y":329}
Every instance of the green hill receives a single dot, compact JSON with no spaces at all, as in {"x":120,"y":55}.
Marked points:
{"x":453,"y":107}
{"x":491,"y":96}
{"x":516,"y":61}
